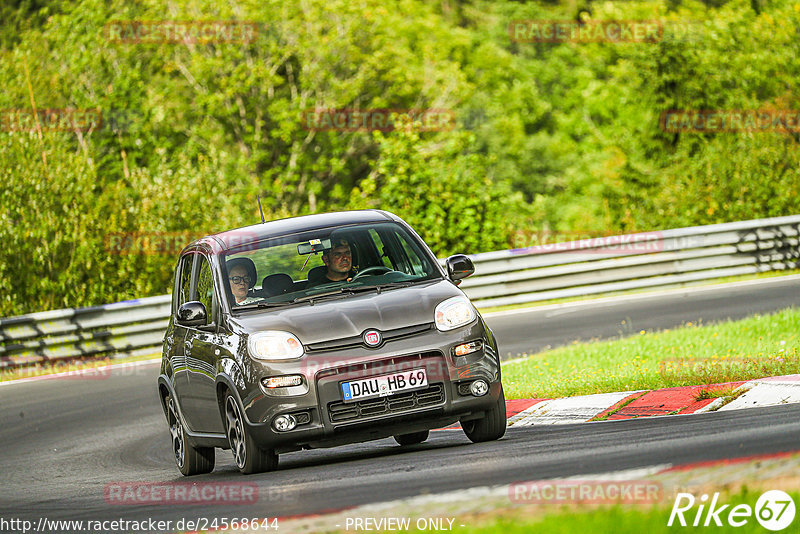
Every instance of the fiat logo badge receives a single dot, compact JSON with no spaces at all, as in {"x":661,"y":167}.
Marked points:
{"x":372,"y":338}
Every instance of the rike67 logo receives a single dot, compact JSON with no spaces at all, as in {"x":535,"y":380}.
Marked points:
{"x":774,"y":510}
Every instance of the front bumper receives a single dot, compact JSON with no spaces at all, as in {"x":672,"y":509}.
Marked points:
{"x":324,"y":419}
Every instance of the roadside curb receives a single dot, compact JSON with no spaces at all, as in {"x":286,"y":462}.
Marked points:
{"x":771,"y":391}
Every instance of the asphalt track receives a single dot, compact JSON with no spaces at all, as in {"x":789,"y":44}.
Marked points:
{"x":64,"y":440}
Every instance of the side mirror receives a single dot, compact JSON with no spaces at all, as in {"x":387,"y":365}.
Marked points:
{"x":459,"y":266}
{"x":192,"y":314}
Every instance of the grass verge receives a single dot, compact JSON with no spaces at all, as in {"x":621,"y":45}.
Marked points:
{"x":759,"y":346}
{"x":618,"y":519}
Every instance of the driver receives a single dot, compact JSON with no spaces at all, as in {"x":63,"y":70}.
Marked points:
{"x":339,"y":261}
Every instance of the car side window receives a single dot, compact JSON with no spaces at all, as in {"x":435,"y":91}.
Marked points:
{"x":381,"y":248}
{"x":205,"y":288}
{"x":411,"y":255}
{"x":184,"y":284}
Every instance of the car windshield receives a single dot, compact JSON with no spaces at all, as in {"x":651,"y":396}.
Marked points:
{"x":330,"y":263}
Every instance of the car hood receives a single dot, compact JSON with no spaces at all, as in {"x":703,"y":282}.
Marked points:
{"x":351,"y":315}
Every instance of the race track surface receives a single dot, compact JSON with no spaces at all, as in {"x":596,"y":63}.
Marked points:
{"x":64,"y":440}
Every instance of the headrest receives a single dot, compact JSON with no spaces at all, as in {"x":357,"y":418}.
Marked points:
{"x":277,"y":283}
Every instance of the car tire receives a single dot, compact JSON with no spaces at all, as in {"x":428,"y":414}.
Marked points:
{"x":413,"y":438}
{"x":190,"y":460}
{"x":248,"y":456}
{"x":492,"y":426}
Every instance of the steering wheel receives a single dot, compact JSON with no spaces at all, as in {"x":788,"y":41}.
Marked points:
{"x":376,"y":269}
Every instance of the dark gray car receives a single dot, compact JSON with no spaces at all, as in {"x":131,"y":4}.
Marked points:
{"x":318,"y":331}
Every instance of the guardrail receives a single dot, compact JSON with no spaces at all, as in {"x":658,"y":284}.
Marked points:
{"x":123,"y":327}
{"x":634,"y":261}
{"x":576,"y":268}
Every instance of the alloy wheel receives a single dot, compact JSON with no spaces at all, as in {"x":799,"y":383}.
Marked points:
{"x":235,"y":429}
{"x":176,"y":431}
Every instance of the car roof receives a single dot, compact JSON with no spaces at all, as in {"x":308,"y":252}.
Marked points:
{"x":229,"y":239}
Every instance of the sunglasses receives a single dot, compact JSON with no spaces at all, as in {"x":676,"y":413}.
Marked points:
{"x":240,"y":279}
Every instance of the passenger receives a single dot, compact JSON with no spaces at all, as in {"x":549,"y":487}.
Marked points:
{"x":241,"y":274}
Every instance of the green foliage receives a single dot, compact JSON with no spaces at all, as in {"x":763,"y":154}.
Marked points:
{"x":561,"y":137}
{"x":446,"y":193}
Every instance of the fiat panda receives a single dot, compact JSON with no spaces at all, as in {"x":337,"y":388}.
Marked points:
{"x":319,"y":331}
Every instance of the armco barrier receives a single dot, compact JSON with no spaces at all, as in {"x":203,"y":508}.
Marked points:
{"x":634,"y":261}
{"x":123,"y":327}
{"x":653,"y":259}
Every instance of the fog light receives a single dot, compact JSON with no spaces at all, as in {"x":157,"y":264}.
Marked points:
{"x":284,"y":423}
{"x":468,"y":348}
{"x":282,"y":381}
{"x":479,"y":388}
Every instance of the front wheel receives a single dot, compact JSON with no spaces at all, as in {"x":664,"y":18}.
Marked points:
{"x":492,"y":426}
{"x":249,"y":457}
{"x":190,"y":460}
{"x":413,"y":438}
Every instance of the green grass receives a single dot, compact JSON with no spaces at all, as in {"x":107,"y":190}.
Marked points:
{"x":762,"y":345}
{"x":619,"y":519}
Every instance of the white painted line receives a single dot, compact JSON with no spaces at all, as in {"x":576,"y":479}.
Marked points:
{"x":79,"y":372}
{"x":713,"y":406}
{"x":472,"y":495}
{"x":626,"y":474}
{"x":571,"y":409}
{"x":610,"y":301}
{"x":523,"y":414}
{"x":787,"y":379}
{"x":766,"y":393}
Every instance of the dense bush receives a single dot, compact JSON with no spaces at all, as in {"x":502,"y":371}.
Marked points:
{"x":560,"y":137}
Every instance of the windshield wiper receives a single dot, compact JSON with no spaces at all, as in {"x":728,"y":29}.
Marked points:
{"x":349,"y":289}
{"x":326,"y":294}
{"x":378,"y":287}
{"x":312,"y":298}
{"x":262,"y":304}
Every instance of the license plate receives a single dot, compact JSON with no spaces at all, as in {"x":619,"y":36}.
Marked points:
{"x":382,"y":386}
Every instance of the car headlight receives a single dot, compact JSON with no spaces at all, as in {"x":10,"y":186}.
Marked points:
{"x":454,"y":312}
{"x":274,"y":345}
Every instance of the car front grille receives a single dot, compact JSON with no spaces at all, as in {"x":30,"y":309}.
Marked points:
{"x":394,"y":404}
